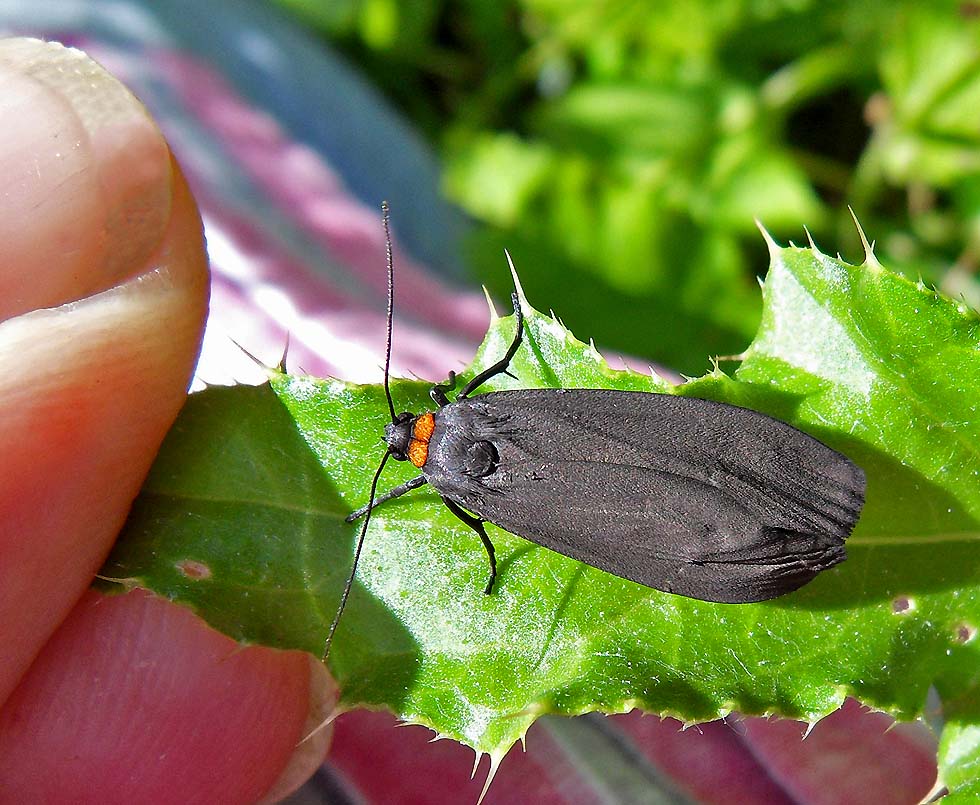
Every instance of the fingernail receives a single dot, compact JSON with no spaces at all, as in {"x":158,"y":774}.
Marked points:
{"x":84,"y":167}
{"x":317,"y":733}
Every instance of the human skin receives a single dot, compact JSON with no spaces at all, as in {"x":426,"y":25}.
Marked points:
{"x":103,"y":296}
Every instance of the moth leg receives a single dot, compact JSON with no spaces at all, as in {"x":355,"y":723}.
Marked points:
{"x":477,"y":525}
{"x":397,"y":492}
{"x":500,"y":367}
{"x":438,"y":392}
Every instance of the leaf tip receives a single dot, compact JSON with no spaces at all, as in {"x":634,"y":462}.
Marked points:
{"x":770,"y":243}
{"x":127,"y":583}
{"x":518,"y":288}
{"x":716,"y":360}
{"x":322,"y":725}
{"x":495,"y":759}
{"x":809,"y":239}
{"x":869,"y":248}
{"x":493,"y":309}
{"x":281,"y":366}
{"x":271,"y":371}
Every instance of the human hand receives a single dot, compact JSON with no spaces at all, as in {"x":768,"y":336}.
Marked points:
{"x":103,"y":295}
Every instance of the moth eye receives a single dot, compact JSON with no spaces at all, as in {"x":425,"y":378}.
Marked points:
{"x":481,"y":459}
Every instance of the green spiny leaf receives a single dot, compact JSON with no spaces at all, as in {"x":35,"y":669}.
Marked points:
{"x":242,"y":518}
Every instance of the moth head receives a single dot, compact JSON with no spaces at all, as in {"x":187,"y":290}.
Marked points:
{"x":398,"y":435}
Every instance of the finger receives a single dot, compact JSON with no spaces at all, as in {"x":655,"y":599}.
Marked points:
{"x":92,"y":385}
{"x":137,"y":700}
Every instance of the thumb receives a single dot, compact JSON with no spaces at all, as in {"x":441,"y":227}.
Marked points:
{"x":103,"y":281}
{"x":103,"y":292}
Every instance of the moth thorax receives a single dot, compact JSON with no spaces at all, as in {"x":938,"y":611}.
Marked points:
{"x":418,"y":447}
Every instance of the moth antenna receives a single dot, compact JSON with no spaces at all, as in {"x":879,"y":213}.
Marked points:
{"x":391,"y":302}
{"x":357,"y":556}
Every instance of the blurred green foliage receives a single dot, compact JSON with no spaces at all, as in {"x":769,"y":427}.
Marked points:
{"x":622,"y":150}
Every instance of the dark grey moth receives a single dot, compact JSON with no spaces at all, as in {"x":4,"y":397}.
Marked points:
{"x":696,"y":498}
